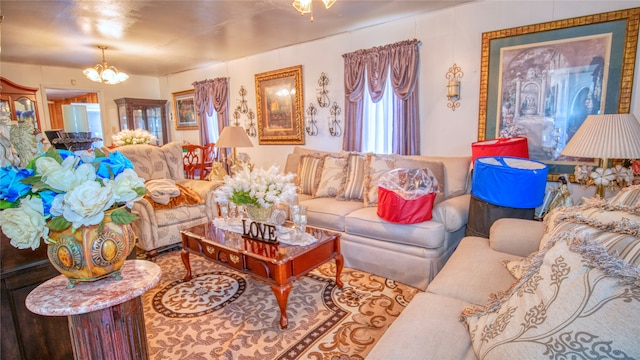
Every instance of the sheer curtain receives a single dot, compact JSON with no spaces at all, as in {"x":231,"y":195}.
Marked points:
{"x":400,"y":63}
{"x":211,"y":95}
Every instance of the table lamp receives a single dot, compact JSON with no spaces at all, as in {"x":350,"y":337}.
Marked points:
{"x":607,"y":136}
{"x":233,"y":137}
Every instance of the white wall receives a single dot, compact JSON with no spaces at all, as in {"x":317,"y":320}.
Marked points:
{"x":448,"y":36}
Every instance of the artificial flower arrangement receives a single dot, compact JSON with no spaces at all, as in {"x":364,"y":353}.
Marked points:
{"x":61,"y":189}
{"x":261,"y":188}
{"x":133,"y":137}
{"x":617,"y":176}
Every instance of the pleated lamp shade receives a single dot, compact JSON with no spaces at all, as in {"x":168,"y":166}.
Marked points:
{"x":608,"y":136}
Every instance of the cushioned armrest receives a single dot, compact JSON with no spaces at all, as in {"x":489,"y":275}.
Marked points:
{"x":515,"y":236}
{"x":453,"y":213}
{"x":146,"y":226}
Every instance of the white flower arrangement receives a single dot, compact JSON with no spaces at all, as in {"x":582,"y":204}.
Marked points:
{"x":259,"y":187}
{"x":133,"y":137}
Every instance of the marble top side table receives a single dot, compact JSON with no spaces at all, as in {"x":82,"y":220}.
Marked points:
{"x":106,"y":317}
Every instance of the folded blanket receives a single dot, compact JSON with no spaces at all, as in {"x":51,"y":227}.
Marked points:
{"x":162,"y":190}
{"x":187,"y":197}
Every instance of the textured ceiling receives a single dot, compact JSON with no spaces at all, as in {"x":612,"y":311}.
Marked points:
{"x":161,"y":37}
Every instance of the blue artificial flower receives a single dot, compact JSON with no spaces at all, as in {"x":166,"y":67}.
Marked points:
{"x":12,"y":188}
{"x":112,"y":165}
{"x":47,"y":197}
{"x":65,"y":153}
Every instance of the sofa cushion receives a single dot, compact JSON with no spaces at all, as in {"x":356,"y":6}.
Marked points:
{"x":333,"y":173}
{"x":457,"y":174}
{"x":559,"y":306}
{"x":291,"y":166}
{"x":174,"y":157}
{"x":427,"y":329}
{"x":374,"y":167}
{"x":352,"y":187}
{"x":329,"y":213}
{"x":436,"y":167}
{"x":473,"y":272}
{"x":309,"y":172}
{"x":366,"y":222}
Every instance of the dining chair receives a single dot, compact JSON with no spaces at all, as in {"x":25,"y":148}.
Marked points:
{"x":210,"y":156}
{"x":193,"y":159}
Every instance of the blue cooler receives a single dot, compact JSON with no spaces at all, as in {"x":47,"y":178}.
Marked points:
{"x":504,"y":187}
{"x":509,"y":181}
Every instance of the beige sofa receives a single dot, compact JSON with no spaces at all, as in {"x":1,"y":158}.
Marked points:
{"x":412,"y":254}
{"x":159,"y":228}
{"x":562,"y":306}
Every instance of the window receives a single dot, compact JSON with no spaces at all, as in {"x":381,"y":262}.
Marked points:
{"x":377,"y":126}
{"x":212,"y":127}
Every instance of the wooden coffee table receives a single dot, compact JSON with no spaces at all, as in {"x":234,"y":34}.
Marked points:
{"x":279,"y":267}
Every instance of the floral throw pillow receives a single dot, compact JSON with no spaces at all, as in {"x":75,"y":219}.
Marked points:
{"x":333,"y":173}
{"x":374,"y":167}
{"x":576,"y":301}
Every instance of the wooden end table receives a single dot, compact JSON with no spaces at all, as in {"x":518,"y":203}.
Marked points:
{"x":278,"y":266}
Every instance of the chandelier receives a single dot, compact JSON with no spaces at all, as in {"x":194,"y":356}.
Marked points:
{"x":304,"y":6}
{"x":104,"y":73}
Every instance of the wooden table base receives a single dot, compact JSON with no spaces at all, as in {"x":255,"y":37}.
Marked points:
{"x":114,"y":333}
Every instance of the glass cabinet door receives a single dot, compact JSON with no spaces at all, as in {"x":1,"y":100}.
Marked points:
{"x":138,"y":119}
{"x":122,"y":114}
{"x":154,"y":121}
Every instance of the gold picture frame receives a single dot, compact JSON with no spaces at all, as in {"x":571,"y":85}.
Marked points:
{"x":280,"y":106}
{"x":184,"y":110}
{"x":569,"y":68}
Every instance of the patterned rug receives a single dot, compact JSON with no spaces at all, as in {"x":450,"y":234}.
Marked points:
{"x":224,"y":314}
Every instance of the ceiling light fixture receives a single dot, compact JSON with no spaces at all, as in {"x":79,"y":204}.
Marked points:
{"x":304,"y":6}
{"x":104,"y":73}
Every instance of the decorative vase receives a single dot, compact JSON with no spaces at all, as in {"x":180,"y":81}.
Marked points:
{"x":260,"y":214}
{"x":90,"y":252}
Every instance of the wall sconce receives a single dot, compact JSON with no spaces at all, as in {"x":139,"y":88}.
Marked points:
{"x":251,"y":127}
{"x":311,"y":127}
{"x":453,"y":86}
{"x":334,"y":123}
{"x":236,"y":116}
{"x":242,"y":106}
{"x":321,"y":94}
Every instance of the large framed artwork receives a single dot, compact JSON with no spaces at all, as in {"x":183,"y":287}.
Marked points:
{"x":280,"y":106}
{"x":184,"y":110}
{"x":541,"y":81}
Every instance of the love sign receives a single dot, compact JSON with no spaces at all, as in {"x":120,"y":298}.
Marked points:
{"x":259,"y":231}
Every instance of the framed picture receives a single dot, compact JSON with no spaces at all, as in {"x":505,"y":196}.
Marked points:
{"x":280,"y":106}
{"x":541,"y":81}
{"x":184,"y":110}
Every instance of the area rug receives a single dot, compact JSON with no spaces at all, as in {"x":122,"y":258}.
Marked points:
{"x":225,"y":314}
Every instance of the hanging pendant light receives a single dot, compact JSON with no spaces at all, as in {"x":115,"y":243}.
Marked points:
{"x":104,"y":73}
{"x":305,"y":7}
